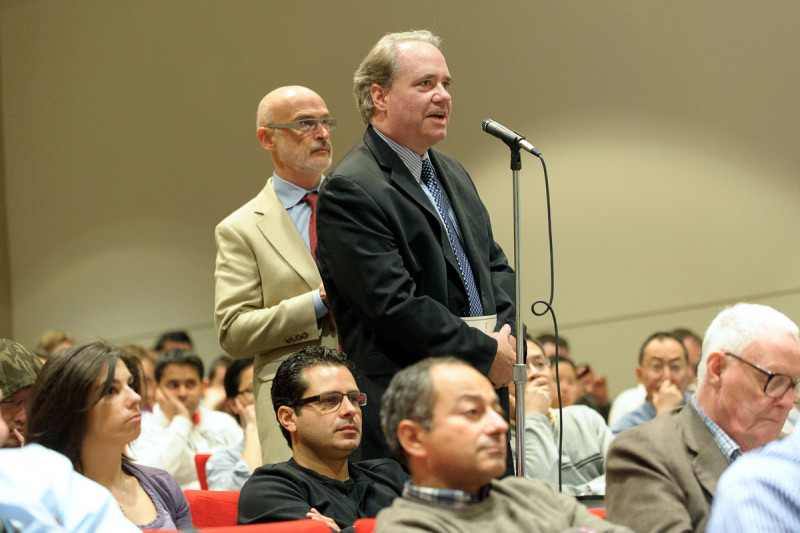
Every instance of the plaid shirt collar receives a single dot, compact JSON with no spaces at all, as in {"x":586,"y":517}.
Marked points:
{"x":728,"y":446}
{"x":457,"y":499}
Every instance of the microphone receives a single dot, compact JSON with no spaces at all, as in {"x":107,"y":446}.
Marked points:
{"x":514,"y":140}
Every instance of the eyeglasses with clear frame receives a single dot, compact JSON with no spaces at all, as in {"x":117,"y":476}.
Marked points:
{"x":777,"y":384}
{"x":307,"y":125}
{"x":331,"y":401}
{"x":539,"y":363}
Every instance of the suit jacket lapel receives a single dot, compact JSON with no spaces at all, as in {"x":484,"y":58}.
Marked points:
{"x":401,"y":177}
{"x":277,"y":227}
{"x":710,"y":462}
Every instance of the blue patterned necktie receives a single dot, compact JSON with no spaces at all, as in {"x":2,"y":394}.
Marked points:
{"x":429,"y":178}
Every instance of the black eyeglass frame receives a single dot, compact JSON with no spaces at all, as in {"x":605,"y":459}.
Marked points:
{"x":791,"y":383}
{"x":358,"y":399}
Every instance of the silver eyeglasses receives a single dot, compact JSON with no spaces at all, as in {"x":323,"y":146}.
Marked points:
{"x":307,"y":125}
{"x":777,"y":384}
{"x":331,"y":401}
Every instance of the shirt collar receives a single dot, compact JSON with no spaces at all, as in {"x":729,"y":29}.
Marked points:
{"x":408,"y":156}
{"x":288,"y":193}
{"x":728,"y":446}
{"x":457,"y":499}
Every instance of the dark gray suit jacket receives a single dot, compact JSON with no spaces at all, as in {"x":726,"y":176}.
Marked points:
{"x":391,"y":275}
{"x":662,"y":475}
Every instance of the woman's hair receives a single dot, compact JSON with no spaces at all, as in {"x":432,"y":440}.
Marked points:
{"x":64,"y":393}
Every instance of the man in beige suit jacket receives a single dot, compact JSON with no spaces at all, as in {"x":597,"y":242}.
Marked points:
{"x":663,"y":474}
{"x":269,"y":298}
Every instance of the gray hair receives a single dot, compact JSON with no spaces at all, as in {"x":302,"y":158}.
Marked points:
{"x":380,"y":67}
{"x":410,"y":396}
{"x":737,"y":327}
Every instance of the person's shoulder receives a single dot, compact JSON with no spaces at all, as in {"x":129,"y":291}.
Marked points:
{"x":578,"y":411}
{"x":660,"y":431}
{"x":245,"y":212}
{"x":218,"y":418}
{"x":516,"y":487}
{"x":385,"y":468}
{"x":36,"y":454}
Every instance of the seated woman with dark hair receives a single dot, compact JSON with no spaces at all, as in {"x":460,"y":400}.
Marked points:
{"x":85,"y":404}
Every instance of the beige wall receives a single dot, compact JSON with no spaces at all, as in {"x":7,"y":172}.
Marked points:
{"x":669,"y":130}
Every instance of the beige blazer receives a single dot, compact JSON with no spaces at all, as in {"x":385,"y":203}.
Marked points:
{"x":662,"y":475}
{"x":263,"y":303}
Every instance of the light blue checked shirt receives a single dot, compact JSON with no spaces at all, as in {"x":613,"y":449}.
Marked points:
{"x":760,"y":491}
{"x":728,"y":446}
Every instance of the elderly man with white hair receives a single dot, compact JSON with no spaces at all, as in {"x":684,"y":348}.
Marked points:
{"x":662,"y":475}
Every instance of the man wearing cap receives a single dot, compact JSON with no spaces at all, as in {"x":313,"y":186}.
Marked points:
{"x":18,"y":369}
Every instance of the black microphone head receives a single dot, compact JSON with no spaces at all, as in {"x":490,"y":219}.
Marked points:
{"x":485,"y":123}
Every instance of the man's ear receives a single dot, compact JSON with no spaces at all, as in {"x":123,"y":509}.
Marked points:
{"x":379,"y":97}
{"x":639,"y":372}
{"x":413,"y":438}
{"x":266,"y":139}
{"x":715,"y":364}
{"x":286,"y":417}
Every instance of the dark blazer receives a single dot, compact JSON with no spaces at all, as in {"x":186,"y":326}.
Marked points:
{"x":391,"y":275}
{"x":662,"y":475}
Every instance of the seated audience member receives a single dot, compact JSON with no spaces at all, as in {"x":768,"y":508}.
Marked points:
{"x":214,"y":391}
{"x":85,"y":405}
{"x":444,"y":418}
{"x":318,"y":406}
{"x":18,"y":369}
{"x":594,"y":390}
{"x":173,"y":340}
{"x":664,"y":371}
{"x":760,"y":491}
{"x":549,"y":343}
{"x":52,"y":341}
{"x":567,"y":380}
{"x":147,"y":359}
{"x":39,"y":491}
{"x":625,"y":402}
{"x":694,"y":346}
{"x":662,"y":475}
{"x":585,"y":440}
{"x":180,"y":427}
{"x":229,"y":469}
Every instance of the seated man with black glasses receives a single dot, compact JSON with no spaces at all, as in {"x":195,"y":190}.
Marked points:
{"x":663,"y":474}
{"x":318,"y":406}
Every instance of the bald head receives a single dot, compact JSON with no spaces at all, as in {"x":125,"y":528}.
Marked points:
{"x":299,"y":156}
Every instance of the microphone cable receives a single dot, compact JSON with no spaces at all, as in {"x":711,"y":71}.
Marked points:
{"x":547,"y":307}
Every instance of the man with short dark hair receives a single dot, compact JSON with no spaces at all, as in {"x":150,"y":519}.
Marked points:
{"x":319,"y":408}
{"x":18,"y":369}
{"x":179,"y":426}
{"x":663,"y":474}
{"x":444,"y":418}
{"x":405,"y":245}
{"x":664,"y":371}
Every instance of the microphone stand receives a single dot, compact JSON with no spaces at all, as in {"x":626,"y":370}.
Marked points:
{"x":520,"y":368}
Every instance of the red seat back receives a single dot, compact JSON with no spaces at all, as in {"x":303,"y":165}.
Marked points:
{"x":212,"y":508}
{"x":364,"y":525}
{"x":294,"y":526}
{"x":200,"y":460}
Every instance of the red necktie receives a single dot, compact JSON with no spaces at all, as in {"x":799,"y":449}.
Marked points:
{"x":311,"y":199}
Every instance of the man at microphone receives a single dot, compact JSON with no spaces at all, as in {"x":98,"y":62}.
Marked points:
{"x":405,"y":246}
